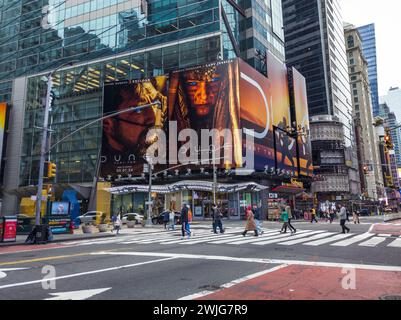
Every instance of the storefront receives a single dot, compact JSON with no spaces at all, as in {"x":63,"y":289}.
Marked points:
{"x":232,"y":198}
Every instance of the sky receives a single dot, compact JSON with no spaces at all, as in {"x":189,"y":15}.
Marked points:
{"x":386,"y":15}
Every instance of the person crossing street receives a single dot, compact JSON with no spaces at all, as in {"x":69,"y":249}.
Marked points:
{"x":217,"y":223}
{"x":184,"y":221}
{"x":343,"y":219}
{"x":313,"y":214}
{"x":250,"y":222}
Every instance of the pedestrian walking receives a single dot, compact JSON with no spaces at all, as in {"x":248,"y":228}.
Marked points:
{"x":172,"y":220}
{"x":188,"y":226}
{"x":313,"y":215}
{"x":184,"y":221}
{"x":116,"y":224}
{"x":284,"y":218}
{"x":250,"y":222}
{"x":332,"y":215}
{"x":257,"y":216}
{"x":166,"y":218}
{"x":355,"y":217}
{"x":290,"y":217}
{"x":217,"y":215}
{"x":343,"y":219}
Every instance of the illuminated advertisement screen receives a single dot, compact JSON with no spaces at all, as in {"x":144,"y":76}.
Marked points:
{"x":223,"y":104}
{"x":302,"y":120}
{"x":60,"y":208}
{"x":3,"y":117}
{"x":125,"y":136}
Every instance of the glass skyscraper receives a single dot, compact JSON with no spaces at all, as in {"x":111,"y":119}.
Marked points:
{"x":368,"y":36}
{"x":108,"y":40}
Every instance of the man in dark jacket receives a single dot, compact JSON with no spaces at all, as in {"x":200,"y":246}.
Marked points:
{"x":184,"y":220}
{"x":217,"y":219}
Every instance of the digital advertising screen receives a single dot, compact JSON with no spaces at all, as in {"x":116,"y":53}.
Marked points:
{"x":125,"y":136}
{"x":302,"y":121}
{"x":60,"y":208}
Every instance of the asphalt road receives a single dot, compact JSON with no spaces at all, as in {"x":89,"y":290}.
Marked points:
{"x":159,"y":266}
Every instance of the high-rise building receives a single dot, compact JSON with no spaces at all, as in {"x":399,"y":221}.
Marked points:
{"x":314,"y":44}
{"x":108,"y":41}
{"x":366,"y":137}
{"x":391,"y":122}
{"x":368,"y":36}
{"x":393,"y":101}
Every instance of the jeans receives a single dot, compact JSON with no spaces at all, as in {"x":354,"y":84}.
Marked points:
{"x":258,"y":225}
{"x":219,"y":225}
{"x":291,"y":226}
{"x":171,"y":225}
{"x":342,"y":223}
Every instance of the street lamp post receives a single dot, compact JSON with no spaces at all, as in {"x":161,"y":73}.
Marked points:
{"x":149,"y":219}
{"x":44,"y":142}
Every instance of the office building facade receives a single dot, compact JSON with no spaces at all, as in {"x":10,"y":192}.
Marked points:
{"x":314,"y":44}
{"x":107,"y":41}
{"x":368,"y":37}
{"x":366,"y":139}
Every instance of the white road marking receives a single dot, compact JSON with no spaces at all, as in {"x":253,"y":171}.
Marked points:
{"x":352,"y":240}
{"x":396,"y":243}
{"x":77,"y":295}
{"x":241,"y":237}
{"x":372,"y":242}
{"x":20,"y":284}
{"x":3,"y":273}
{"x":327,"y":240}
{"x":233,"y":283}
{"x":384,"y":235}
{"x":252,"y":260}
{"x":315,"y":237}
{"x":278,"y":235}
{"x":298,"y":235}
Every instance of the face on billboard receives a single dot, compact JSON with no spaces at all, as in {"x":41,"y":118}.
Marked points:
{"x":125,"y":135}
{"x":202,"y":87}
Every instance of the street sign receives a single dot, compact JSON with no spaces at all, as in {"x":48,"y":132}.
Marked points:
{"x":33,"y":198}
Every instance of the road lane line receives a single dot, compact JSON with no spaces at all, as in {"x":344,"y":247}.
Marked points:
{"x":315,"y":237}
{"x":20,"y":284}
{"x":43,"y":259}
{"x":234,"y":282}
{"x":353,"y":240}
{"x":372,"y":242}
{"x":254,"y":260}
{"x":327,"y":240}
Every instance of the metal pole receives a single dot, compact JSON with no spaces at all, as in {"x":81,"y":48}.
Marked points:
{"x":43,"y":152}
{"x":149,"y":220}
{"x":214,"y":182}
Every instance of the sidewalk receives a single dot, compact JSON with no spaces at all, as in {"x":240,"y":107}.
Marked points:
{"x":79,"y":235}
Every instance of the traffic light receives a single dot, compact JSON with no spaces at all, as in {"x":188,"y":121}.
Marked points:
{"x":388,"y":140}
{"x":52,"y":170}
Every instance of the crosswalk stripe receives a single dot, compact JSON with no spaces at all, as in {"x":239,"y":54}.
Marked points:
{"x":271,"y":237}
{"x":396,"y":243}
{"x":327,"y":240}
{"x":299,"y":234}
{"x":372,"y":242}
{"x":240,"y":236}
{"x":352,"y":240}
{"x":210,"y":236}
{"x":315,"y":237}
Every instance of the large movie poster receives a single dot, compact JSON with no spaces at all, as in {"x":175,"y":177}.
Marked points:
{"x":203,"y":99}
{"x":3,"y":119}
{"x":124,"y":141}
{"x":285,"y":146}
{"x":257,"y":115}
{"x":302,"y":119}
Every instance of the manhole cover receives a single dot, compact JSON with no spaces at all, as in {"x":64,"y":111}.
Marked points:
{"x":209,"y":287}
{"x":390,"y":298}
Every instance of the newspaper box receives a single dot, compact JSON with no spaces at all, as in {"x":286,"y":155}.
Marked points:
{"x":8,"y":229}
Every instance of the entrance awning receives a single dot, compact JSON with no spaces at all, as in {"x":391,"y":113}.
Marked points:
{"x":188,"y":185}
{"x":290,"y":190}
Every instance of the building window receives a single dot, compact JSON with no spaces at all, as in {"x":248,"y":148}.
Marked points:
{"x":350,"y":41}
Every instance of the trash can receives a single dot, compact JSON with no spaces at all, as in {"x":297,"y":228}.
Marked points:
{"x":8,"y":229}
